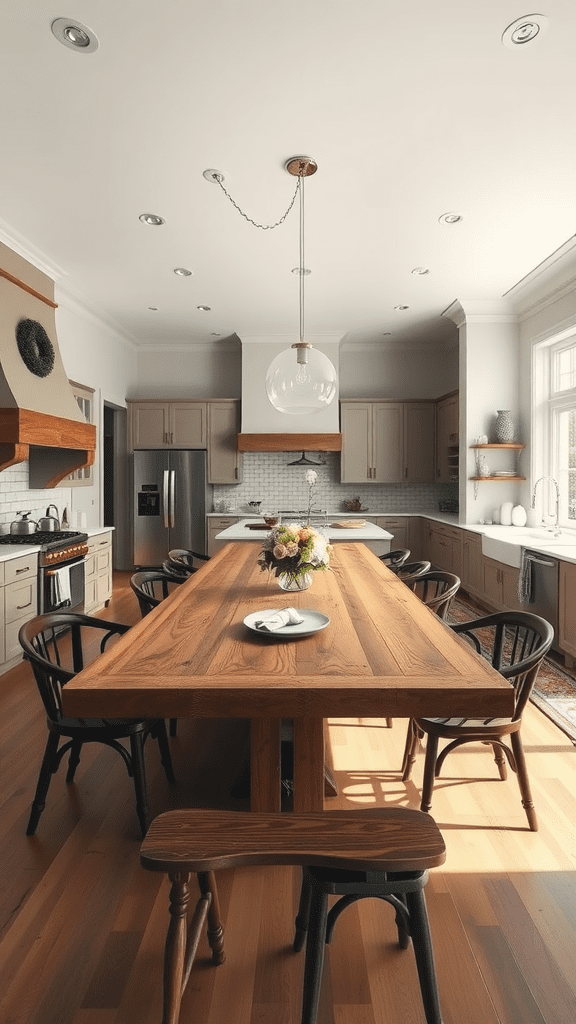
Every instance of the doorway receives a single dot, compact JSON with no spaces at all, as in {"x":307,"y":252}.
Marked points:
{"x":115,"y":483}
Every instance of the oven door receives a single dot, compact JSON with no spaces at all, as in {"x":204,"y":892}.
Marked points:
{"x":62,"y":588}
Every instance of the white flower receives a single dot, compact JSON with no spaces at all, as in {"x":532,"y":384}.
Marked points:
{"x":311,"y":477}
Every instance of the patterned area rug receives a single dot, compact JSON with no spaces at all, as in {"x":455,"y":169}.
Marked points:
{"x":555,"y":689}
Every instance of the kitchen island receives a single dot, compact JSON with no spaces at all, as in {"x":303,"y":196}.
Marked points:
{"x":375,"y":538}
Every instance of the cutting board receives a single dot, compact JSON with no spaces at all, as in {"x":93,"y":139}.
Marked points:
{"x":258,"y":526}
{"x":349,"y":524}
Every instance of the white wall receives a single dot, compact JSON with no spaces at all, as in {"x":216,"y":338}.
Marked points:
{"x":394,"y":373}
{"x":199,"y":371}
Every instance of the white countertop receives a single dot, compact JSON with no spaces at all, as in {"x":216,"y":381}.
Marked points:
{"x":239,"y":531}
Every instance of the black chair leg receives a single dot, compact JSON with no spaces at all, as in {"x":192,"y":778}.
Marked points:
{"x":303,"y":915}
{"x":314,"y":955}
{"x":422,"y":942}
{"x":50,"y":762}
{"x":140,"y":788}
{"x":73,"y":760}
{"x":165,"y":755}
{"x":173,"y":722}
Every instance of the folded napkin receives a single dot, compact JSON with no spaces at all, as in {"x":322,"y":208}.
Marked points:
{"x":283,"y":617}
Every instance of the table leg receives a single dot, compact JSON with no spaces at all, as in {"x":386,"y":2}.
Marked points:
{"x":265,"y":764}
{"x":308,"y":764}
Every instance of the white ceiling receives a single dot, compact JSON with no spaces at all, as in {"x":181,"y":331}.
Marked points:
{"x":411,"y":108}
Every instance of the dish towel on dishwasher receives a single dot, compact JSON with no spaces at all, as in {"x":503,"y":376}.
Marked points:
{"x":283,"y":617}
{"x":525,"y":579}
{"x":60,"y":595}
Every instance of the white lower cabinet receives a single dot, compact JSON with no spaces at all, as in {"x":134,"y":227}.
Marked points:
{"x":98,"y":572}
{"x":18,"y":604}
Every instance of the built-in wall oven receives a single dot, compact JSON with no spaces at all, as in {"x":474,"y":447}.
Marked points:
{"x":61,"y":568}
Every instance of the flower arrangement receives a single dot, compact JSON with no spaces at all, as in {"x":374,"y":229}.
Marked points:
{"x":293,"y":550}
{"x":311,"y":478}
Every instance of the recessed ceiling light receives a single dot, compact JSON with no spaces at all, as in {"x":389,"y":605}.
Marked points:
{"x":401,"y":307}
{"x":152,"y":219}
{"x":74,"y":35}
{"x":450,"y":218}
{"x":386,"y":334}
{"x":420,"y":271}
{"x":182,"y":272}
{"x":204,"y":309}
{"x":305,"y":271}
{"x":524,"y":30}
{"x":153,"y":309}
{"x":215,"y":334}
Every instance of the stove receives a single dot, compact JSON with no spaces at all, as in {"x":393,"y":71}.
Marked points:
{"x":56,"y":546}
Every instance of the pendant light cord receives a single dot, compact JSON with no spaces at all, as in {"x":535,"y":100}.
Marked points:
{"x":301,"y":270}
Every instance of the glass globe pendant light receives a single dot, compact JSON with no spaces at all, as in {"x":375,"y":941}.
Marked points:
{"x":301,"y":380}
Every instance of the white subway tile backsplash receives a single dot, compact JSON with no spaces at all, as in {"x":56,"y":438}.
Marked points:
{"x":16,"y":496}
{"x":269,"y":478}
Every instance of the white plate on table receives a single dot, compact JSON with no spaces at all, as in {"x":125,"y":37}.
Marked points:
{"x":313,"y":622}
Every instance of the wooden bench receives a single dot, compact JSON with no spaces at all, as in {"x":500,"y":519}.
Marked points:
{"x":382,"y":853}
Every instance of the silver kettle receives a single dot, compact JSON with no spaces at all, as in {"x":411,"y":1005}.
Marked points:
{"x":24,"y":525}
{"x":49,"y":523}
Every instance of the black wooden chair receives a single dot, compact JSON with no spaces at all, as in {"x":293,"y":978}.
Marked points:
{"x":516,"y":644}
{"x":394,"y":559}
{"x":410,"y":570}
{"x":183,"y":559}
{"x":381,"y":853}
{"x":436,"y":589}
{"x":58,"y":645}
{"x":151,"y":588}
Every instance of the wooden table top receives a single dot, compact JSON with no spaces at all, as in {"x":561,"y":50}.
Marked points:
{"x":383,"y":653}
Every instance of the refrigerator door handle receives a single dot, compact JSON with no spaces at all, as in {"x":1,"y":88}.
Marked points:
{"x":172,"y":498}
{"x":165,"y":499}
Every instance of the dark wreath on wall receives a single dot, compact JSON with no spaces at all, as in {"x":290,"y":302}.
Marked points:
{"x":35,"y":347}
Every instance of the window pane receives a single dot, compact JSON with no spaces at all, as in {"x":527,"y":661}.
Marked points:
{"x":564,"y":364}
{"x":566,"y":466}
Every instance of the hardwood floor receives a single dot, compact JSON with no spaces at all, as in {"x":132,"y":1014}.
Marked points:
{"x":82,"y":926}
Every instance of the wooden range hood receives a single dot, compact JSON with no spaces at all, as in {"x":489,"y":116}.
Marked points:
{"x":40,"y":421}
{"x":289,"y":442}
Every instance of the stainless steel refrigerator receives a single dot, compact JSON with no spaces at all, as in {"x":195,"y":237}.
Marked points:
{"x":170,"y":501}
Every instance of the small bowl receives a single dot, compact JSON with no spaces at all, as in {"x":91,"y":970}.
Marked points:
{"x":271,"y":520}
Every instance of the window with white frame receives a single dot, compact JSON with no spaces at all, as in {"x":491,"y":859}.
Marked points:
{"x":561,"y":429}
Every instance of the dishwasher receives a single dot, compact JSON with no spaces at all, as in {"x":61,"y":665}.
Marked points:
{"x":540,"y":591}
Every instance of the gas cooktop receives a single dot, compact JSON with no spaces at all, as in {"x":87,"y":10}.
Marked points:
{"x":44,"y":538}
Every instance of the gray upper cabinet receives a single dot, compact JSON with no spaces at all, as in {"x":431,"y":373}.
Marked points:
{"x":387,"y":442}
{"x":168,"y":424}
{"x":224,"y":459}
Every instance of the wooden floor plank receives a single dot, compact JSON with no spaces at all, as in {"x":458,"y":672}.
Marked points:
{"x":82,"y":926}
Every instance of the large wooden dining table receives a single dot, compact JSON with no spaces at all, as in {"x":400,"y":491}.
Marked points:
{"x":383,"y":654}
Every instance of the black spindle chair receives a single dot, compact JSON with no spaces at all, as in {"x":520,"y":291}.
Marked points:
{"x":516,"y":644}
{"x":58,"y":646}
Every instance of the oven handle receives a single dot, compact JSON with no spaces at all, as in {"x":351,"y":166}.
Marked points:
{"x":65,"y":565}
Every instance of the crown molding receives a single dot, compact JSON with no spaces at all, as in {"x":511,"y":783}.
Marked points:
{"x":92,"y":314}
{"x":29,"y":252}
